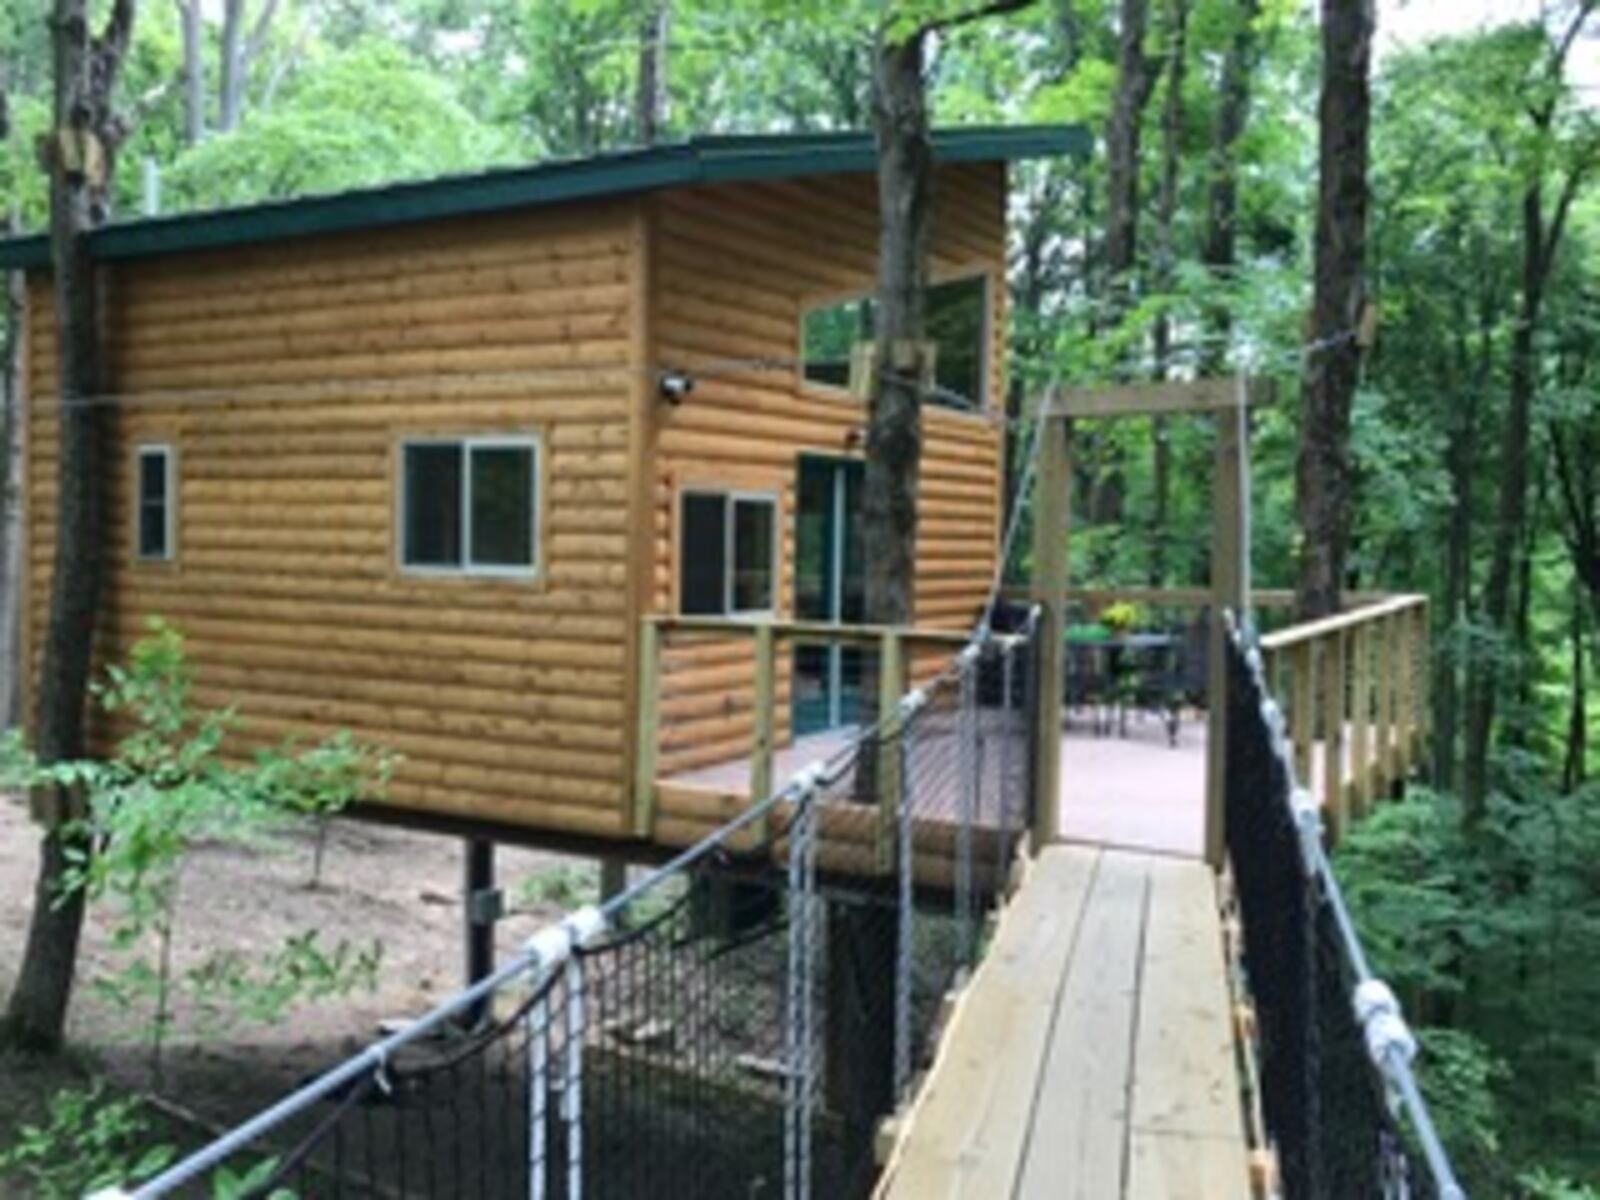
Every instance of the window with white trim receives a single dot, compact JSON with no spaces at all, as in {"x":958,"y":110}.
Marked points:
{"x":470,"y":505}
{"x":153,"y":524}
{"x":727,"y":553}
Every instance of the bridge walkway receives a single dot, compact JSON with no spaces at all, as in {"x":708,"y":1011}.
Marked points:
{"x":1092,"y":1055}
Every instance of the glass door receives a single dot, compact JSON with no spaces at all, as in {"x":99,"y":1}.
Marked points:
{"x":826,"y":689}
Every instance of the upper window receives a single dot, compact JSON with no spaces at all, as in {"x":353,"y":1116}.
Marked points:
{"x":957,"y":323}
{"x":470,"y":505}
{"x":153,"y":523}
{"x":727,"y":553}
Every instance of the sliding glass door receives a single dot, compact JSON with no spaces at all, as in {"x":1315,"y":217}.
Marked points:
{"x":828,"y":587}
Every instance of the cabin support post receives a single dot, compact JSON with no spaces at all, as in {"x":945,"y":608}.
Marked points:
{"x":646,"y":728}
{"x":482,"y":906}
{"x":1051,"y":515}
{"x":766,"y":702}
{"x":887,"y":769}
{"x":1230,"y":591}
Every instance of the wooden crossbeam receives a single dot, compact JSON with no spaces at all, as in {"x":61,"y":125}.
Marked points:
{"x":1170,"y":396}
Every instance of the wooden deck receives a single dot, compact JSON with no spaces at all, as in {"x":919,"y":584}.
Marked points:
{"x":1092,"y":1055}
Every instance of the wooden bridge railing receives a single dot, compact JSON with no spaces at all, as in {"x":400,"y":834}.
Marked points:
{"x":723,"y":704}
{"x":1354,"y":690}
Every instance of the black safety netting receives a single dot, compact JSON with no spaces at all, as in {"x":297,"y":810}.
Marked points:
{"x":1327,"y":1109}
{"x":742,"y":1023}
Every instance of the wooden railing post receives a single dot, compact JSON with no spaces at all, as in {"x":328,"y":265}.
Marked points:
{"x":1302,"y":719}
{"x":1335,"y":800}
{"x":647,"y":729}
{"x":891,"y":686}
{"x":1361,"y":720}
{"x":1383,"y":630}
{"x":765,"y":699}
{"x":1051,"y":516}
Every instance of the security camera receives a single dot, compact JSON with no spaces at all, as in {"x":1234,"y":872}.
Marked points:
{"x":674,"y":386}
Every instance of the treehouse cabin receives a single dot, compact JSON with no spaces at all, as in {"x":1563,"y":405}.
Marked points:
{"x":546,"y":479}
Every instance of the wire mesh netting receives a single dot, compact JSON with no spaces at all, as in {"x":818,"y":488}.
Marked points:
{"x":1338,"y":1128}
{"x":736,"y":1025}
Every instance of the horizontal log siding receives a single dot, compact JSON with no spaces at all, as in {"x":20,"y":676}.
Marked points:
{"x":735,"y":266}
{"x":284,"y":375}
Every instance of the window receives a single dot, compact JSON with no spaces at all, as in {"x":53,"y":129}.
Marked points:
{"x":957,"y":323}
{"x":153,"y":524}
{"x":470,"y":506}
{"x":727,"y":553}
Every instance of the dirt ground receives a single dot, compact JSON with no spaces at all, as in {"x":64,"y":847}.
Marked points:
{"x":397,"y":887}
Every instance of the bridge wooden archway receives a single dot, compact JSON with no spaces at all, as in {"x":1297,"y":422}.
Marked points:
{"x":1227,"y":401}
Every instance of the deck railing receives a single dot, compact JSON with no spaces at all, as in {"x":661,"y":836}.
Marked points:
{"x":1353,"y":688}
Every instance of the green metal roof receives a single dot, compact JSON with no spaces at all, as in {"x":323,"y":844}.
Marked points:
{"x":698,"y":160}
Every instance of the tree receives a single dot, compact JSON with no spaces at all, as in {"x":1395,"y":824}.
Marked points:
{"x":651,"y":103}
{"x":79,"y":156}
{"x":1137,"y":73}
{"x":1542,"y":226}
{"x":1162,"y":278}
{"x":1323,"y":493}
{"x":1219,"y":246}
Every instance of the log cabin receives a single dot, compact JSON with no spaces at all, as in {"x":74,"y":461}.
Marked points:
{"x":424,"y":461}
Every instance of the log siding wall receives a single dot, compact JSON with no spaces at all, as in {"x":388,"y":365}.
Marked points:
{"x":285,"y":377}
{"x":735,"y":267}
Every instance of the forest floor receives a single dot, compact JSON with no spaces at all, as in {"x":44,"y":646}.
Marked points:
{"x":379,"y":884}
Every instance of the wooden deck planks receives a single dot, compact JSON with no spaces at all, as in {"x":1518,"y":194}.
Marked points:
{"x":1187,"y":1126}
{"x":973,"y":1120}
{"x":1092,"y":1056}
{"x":1080,"y":1120}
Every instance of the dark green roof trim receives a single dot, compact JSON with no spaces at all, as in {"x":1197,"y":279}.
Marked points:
{"x":700,"y":160}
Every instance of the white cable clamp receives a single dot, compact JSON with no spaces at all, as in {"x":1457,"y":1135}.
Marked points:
{"x":911,"y":703}
{"x":380,"y":1071}
{"x":807,"y":780}
{"x":586,"y":924}
{"x":1308,"y":820}
{"x":970,"y":652}
{"x":1272,"y":716}
{"x":1389,"y":1038}
{"x":550,"y":946}
{"x":1252,"y":658}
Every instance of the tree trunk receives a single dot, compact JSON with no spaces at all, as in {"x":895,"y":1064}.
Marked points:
{"x":10,"y":509}
{"x":241,"y":46}
{"x":1136,"y":77}
{"x":1322,"y":492}
{"x":1574,"y":767}
{"x":1219,"y":251}
{"x":194,"y":71}
{"x":86,"y":72}
{"x":651,"y":102}
{"x":894,"y":426}
{"x":1161,"y":337}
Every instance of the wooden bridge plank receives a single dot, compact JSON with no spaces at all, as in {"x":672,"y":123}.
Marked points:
{"x":1080,"y":1124}
{"x":968,"y":1132}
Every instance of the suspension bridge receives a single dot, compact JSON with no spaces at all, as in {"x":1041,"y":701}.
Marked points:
{"x":893,"y":963}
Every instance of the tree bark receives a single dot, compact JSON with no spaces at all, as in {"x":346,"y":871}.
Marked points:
{"x":1323,"y":492}
{"x":650,"y":105}
{"x":1219,"y":252}
{"x":242,"y":42}
{"x":1161,"y":335}
{"x":1136,"y":77}
{"x":80,"y":157}
{"x":1574,"y":766}
{"x":194,"y":71}
{"x":894,"y":425}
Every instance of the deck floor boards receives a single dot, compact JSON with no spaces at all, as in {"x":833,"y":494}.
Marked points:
{"x":1091,"y":1055}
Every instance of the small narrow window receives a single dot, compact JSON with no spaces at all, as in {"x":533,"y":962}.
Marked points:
{"x":727,"y":554}
{"x":470,"y":506}
{"x":153,"y":525}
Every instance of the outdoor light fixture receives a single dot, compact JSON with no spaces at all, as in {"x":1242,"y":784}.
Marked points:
{"x":674,"y":386}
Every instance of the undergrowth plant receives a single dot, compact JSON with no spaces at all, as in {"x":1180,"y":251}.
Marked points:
{"x":168,"y":789}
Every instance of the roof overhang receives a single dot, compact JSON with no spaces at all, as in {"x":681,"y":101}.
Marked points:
{"x":698,"y":160}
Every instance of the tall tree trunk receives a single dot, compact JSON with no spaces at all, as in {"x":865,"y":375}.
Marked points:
{"x":650,"y":105}
{"x":10,"y":457}
{"x":80,"y":156}
{"x":194,"y":71}
{"x":1219,"y":250}
{"x":1136,"y":77}
{"x":1574,"y":766}
{"x":1322,"y":477}
{"x":242,"y":43}
{"x":894,"y":426}
{"x":1161,"y":336}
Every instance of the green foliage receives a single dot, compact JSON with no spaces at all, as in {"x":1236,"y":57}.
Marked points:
{"x":88,"y":1141}
{"x":565,"y":886}
{"x":167,"y":790}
